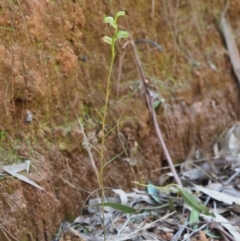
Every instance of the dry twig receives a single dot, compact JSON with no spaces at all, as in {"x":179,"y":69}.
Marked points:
{"x":151,"y":109}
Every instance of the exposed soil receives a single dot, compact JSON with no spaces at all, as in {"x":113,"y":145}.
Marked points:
{"x":54,"y":65}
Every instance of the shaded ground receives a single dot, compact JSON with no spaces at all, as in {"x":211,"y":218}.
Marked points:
{"x":54,"y":64}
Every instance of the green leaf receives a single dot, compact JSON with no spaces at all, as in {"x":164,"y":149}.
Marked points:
{"x":117,"y":206}
{"x":155,"y":104}
{"x":107,"y":40}
{"x":122,"y":34}
{"x":158,"y":102}
{"x":153,"y":208}
{"x":110,"y":21}
{"x":120,"y":13}
{"x":193,"y":202}
{"x":171,"y":205}
{"x":194,"y":218}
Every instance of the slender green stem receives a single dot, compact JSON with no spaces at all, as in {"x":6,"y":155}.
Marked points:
{"x":102,"y":162}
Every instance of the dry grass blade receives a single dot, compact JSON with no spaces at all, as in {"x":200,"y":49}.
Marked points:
{"x":231,"y":46}
{"x":6,"y":233}
{"x":88,"y":150}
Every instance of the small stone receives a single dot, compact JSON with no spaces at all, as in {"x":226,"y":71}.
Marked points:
{"x":29,"y":116}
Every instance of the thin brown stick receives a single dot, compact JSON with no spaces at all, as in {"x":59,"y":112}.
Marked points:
{"x":122,"y":56}
{"x":153,"y":114}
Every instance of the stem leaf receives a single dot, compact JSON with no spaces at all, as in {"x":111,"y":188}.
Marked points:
{"x":120,"y":13}
{"x":107,"y":40}
{"x":122,"y":34}
{"x":110,"y":21}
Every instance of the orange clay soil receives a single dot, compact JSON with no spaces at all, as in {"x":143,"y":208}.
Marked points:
{"x":54,"y":65}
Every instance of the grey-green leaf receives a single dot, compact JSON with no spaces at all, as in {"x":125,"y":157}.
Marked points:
{"x":155,"y":104}
{"x":122,"y":34}
{"x":120,"y":13}
{"x":110,"y":21}
{"x":107,"y":39}
{"x":117,"y":206}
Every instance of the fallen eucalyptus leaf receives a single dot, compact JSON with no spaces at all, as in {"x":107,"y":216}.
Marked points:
{"x":122,"y":195}
{"x":14,"y":169}
{"x":219,"y":196}
{"x":153,"y":191}
{"x":21,"y":177}
{"x":28,"y":164}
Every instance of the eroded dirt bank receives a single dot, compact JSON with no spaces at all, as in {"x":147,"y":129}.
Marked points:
{"x":54,"y":64}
